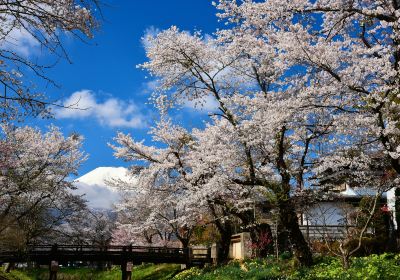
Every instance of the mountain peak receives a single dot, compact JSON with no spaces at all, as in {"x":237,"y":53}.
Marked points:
{"x":96,"y":189}
{"x":101,"y":175}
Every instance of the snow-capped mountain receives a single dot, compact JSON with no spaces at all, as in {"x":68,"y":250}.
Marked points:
{"x":96,"y":188}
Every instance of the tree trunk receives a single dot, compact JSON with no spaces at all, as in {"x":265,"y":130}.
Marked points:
{"x":184,"y":242}
{"x":345,"y":262}
{"x":290,"y":222}
{"x":282,"y":238}
{"x":288,"y":217}
{"x":223,"y":245}
{"x":225,"y":230}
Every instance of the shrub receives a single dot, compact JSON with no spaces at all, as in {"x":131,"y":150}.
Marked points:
{"x":285,"y":255}
{"x":320,"y":248}
{"x":385,"y":266}
{"x":369,"y":245}
{"x":373,"y":267}
{"x":188,"y":274}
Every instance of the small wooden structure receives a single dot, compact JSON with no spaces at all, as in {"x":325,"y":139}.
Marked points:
{"x":240,"y":246}
{"x":125,"y":256}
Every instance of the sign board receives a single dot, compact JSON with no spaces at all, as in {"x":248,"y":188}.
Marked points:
{"x":129,"y":266}
{"x":54,"y":266}
{"x":214,"y":251}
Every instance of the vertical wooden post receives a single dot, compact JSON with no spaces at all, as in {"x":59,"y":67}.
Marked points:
{"x":123,"y":263}
{"x":209,"y":255}
{"x":214,"y":253}
{"x":129,"y":264}
{"x":53,"y":267}
{"x":53,"y":270}
{"x":123,"y":270}
{"x":189,"y":256}
{"x":128,"y":268}
{"x":126,"y":265}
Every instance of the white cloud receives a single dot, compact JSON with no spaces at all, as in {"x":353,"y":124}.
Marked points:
{"x":19,"y":40}
{"x":151,"y":86}
{"x":97,"y":196}
{"x":206,"y":104}
{"x":112,"y":112}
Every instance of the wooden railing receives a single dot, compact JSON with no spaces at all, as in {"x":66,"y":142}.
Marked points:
{"x":326,"y":231}
{"x":114,"y":254}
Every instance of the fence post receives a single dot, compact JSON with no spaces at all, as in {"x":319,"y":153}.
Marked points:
{"x":189,"y":256}
{"x":53,"y":270}
{"x":123,"y":263}
{"x":129,"y":264}
{"x":53,"y":267}
{"x":126,"y":266}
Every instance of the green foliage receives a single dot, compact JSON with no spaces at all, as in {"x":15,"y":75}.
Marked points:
{"x":377,"y":221}
{"x":205,"y":234}
{"x":142,"y":272}
{"x":285,"y":255}
{"x":188,"y":274}
{"x":374,"y":267}
{"x":14,"y":275}
{"x":250,"y":269}
{"x":67,"y":274}
{"x":150,"y":271}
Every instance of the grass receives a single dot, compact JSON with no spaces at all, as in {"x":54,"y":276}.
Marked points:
{"x":142,"y":272}
{"x":160,"y":272}
{"x":14,"y":275}
{"x":373,"y":267}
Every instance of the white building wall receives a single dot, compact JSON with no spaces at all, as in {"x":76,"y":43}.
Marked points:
{"x":327,"y":213}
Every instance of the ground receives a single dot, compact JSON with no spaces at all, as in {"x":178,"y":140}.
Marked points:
{"x":374,"y":267}
{"x":143,"y":272}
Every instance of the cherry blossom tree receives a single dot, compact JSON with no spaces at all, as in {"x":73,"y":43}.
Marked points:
{"x":45,"y":224}
{"x":180,"y":185}
{"x":216,"y":160}
{"x":162,"y":182}
{"x":347,"y":49}
{"x":43,"y":23}
{"x":86,"y":226}
{"x":300,"y":86}
{"x":138,"y":222}
{"x":265,"y":129}
{"x":34,"y":177}
{"x":297,"y":82}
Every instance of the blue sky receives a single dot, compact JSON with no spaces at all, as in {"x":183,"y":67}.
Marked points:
{"x":104,"y":74}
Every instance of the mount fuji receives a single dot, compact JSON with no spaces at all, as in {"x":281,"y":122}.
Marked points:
{"x":96,"y":187}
